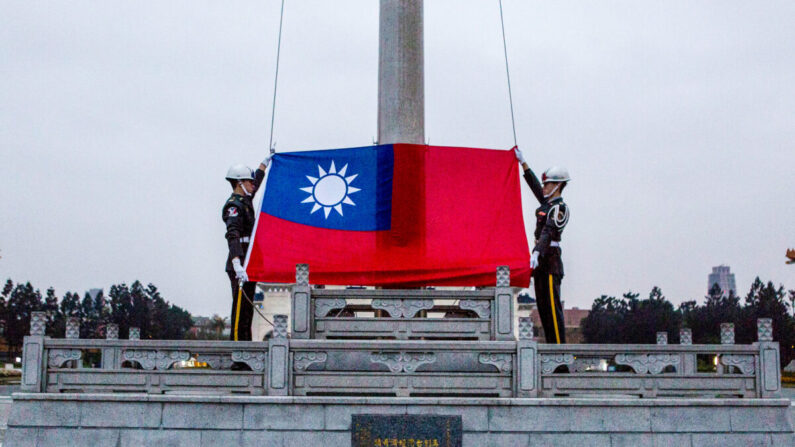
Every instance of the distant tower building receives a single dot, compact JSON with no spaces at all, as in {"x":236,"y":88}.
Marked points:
{"x":724,"y":278}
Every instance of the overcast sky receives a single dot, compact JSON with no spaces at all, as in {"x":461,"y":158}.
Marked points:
{"x":119,"y":119}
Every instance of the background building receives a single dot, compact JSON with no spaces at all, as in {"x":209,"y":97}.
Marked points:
{"x":724,"y":278}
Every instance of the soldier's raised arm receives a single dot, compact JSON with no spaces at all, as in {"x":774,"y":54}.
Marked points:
{"x":530,"y":177}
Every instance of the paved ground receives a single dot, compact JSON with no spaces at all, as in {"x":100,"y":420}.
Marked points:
{"x":786,"y":392}
{"x":5,"y":407}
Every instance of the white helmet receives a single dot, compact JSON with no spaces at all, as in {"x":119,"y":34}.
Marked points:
{"x":239,"y":172}
{"x":555,"y":174}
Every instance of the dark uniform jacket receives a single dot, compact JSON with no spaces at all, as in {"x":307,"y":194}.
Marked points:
{"x":551,"y":218}
{"x":239,"y":217}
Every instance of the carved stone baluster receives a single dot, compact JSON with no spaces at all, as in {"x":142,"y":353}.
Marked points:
{"x":300,"y":303}
{"x":685,"y":336}
{"x":278,"y":377}
{"x":526,"y":371}
{"x":480,"y":307}
{"x":726,"y":338}
{"x":768,"y":375}
{"x":662,"y":338}
{"x":525,"y":328}
{"x":727,"y":333}
{"x":34,"y":362}
{"x":502,"y":361}
{"x":550,"y":362}
{"x":135,"y":333}
{"x":111,"y":356}
{"x":402,"y":362}
{"x":392,"y":306}
{"x":323,"y":306}
{"x":38,"y":323}
{"x":72,"y":328}
{"x":502,"y":317}
{"x":764,"y":329}
{"x":688,"y":359}
{"x":72,"y":357}
{"x":280,"y":326}
{"x":303,"y":360}
{"x":410,"y":307}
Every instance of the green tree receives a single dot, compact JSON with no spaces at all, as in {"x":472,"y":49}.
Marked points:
{"x":141,"y":311}
{"x":607,"y":314}
{"x":55,"y":326}
{"x":22,"y":300}
{"x":168,"y":322}
{"x":96,"y":314}
{"x":704,"y":321}
{"x":631,"y":320}
{"x":70,"y":305}
{"x":644,"y":318}
{"x":120,"y":302}
{"x":7,"y":288}
{"x":768,"y":301}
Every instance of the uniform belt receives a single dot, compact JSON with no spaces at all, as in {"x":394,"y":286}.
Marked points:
{"x":554,"y":244}
{"x":245,"y":240}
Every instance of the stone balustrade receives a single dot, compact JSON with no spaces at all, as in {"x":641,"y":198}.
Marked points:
{"x":479,"y":363}
{"x":403,"y":314}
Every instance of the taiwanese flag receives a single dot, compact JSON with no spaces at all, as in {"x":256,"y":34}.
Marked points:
{"x":399,"y":215}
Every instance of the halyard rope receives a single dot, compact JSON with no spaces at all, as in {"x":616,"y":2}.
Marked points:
{"x":276,"y":78}
{"x":508,"y":74}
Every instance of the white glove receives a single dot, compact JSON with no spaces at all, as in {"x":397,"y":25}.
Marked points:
{"x":534,"y":260}
{"x":519,"y":156}
{"x":240,"y":272}
{"x":267,"y":159}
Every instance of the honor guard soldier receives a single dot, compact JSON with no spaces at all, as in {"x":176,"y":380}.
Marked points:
{"x":551,"y":218}
{"x":239,"y":217}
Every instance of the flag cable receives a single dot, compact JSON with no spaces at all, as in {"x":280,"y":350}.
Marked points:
{"x":270,"y":141}
{"x":254,"y":306}
{"x":276,"y":78}
{"x":508,"y":75}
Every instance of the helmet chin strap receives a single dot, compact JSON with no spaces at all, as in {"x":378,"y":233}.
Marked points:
{"x":243,"y":187}
{"x":557,"y":186}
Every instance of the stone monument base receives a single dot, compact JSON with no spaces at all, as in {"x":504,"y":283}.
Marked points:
{"x":45,"y":419}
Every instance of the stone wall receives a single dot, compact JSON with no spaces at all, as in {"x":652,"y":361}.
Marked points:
{"x":61,"y":420}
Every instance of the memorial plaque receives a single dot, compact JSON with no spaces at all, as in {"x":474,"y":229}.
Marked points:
{"x":406,"y":430}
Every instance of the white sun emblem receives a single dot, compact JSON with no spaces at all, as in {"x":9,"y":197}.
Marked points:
{"x":330,"y":189}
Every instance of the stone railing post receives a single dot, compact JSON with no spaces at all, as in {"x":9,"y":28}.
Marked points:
{"x":688,"y":359}
{"x":135,"y":333}
{"x":768,"y":377}
{"x":727,"y":333}
{"x":72,"y":328}
{"x":279,"y":359}
{"x":662,"y":338}
{"x":526,"y":370}
{"x":301,"y":305}
{"x":726,"y":338}
{"x":34,"y":362}
{"x":502,"y":316}
{"x":111,"y":356}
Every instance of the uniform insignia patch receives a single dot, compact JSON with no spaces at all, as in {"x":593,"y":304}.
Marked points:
{"x":231,"y":212}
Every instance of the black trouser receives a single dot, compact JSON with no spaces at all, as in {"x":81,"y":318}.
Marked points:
{"x":550,"y":310}
{"x":242,"y":310}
